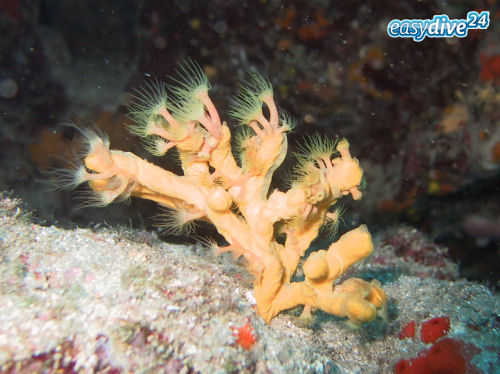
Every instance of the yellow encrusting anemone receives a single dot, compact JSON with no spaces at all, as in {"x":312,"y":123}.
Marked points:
{"x":236,"y":197}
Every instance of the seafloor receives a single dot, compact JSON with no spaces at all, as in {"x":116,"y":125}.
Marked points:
{"x":118,"y":300}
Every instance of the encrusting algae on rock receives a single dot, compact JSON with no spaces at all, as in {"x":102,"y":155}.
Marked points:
{"x":235,"y":197}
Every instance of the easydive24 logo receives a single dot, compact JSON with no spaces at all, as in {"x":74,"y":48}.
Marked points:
{"x":440,"y":26}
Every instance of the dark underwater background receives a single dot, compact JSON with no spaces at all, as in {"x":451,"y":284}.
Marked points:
{"x":423,"y":118}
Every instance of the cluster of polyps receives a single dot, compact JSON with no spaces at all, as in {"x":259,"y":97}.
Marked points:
{"x":271,"y":231}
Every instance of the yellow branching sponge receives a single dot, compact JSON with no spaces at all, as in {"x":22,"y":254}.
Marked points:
{"x":235,"y":197}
